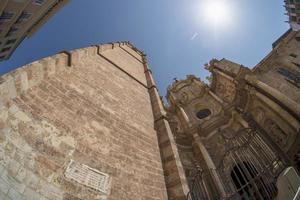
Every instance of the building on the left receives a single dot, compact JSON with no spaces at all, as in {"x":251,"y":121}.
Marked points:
{"x":22,"y":18}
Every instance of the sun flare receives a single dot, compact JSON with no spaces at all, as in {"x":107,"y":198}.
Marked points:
{"x":216,"y":13}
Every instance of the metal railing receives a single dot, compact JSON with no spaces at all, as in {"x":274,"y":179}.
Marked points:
{"x":198,"y":187}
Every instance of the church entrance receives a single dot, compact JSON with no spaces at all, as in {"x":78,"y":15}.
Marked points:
{"x":249,"y":168}
{"x":249,"y":184}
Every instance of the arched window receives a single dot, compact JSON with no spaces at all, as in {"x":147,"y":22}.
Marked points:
{"x":201,"y":114}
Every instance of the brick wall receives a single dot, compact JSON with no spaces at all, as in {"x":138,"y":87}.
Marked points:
{"x":79,"y":106}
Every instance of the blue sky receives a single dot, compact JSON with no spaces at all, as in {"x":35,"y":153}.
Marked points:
{"x":173,"y":33}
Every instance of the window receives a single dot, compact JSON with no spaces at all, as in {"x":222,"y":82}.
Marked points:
{"x":11,"y":41}
{"x":11,"y":31}
{"x":293,"y":55}
{"x":291,"y":77}
{"x":38,"y":2}
{"x":24,"y":17}
{"x":203,"y":113}
{"x":5,"y":49}
{"x":293,"y":18}
{"x":293,"y":10}
{"x":287,"y":73}
{"x":6,"y":16}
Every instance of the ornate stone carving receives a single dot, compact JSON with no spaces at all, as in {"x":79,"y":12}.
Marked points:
{"x":225,"y":89}
{"x":184,"y":96}
{"x":277,"y":134}
{"x":246,"y":123}
{"x":258,"y":114}
{"x":184,"y":91}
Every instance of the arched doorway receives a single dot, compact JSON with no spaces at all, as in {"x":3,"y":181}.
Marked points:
{"x":249,"y":167}
{"x":250,"y":184}
{"x":240,"y":179}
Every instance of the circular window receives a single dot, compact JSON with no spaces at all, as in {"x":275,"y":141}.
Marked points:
{"x":203,"y":113}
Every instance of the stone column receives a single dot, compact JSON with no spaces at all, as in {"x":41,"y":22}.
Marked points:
{"x":176,"y":183}
{"x":183,"y":118}
{"x":291,"y":105}
{"x":210,"y":164}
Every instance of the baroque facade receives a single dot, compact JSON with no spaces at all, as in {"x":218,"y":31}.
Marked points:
{"x":238,"y":135}
{"x":90,"y":124}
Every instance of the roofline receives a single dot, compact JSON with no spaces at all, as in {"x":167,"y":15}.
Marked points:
{"x":274,"y":44}
{"x":277,"y":44}
{"x":51,"y":65}
{"x":45,"y":17}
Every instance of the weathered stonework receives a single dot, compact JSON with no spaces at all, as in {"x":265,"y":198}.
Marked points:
{"x":236,"y":135}
{"x":90,"y":124}
{"x":90,"y":105}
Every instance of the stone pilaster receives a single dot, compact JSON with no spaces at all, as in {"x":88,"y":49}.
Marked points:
{"x":175,"y":179}
{"x":205,"y":155}
{"x":210,"y":164}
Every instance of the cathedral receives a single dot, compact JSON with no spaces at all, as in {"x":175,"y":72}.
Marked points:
{"x":89,"y":124}
{"x":238,"y":136}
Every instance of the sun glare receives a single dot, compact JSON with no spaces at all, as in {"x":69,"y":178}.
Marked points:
{"x":216,"y":13}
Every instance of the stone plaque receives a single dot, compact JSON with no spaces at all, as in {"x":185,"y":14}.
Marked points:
{"x":87,"y":176}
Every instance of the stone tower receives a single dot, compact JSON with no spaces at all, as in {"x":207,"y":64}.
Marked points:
{"x":87,"y":124}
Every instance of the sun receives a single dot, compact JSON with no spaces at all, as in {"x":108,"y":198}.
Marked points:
{"x":216,"y":13}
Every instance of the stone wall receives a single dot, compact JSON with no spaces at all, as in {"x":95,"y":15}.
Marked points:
{"x":281,"y":68}
{"x":82,"y":113}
